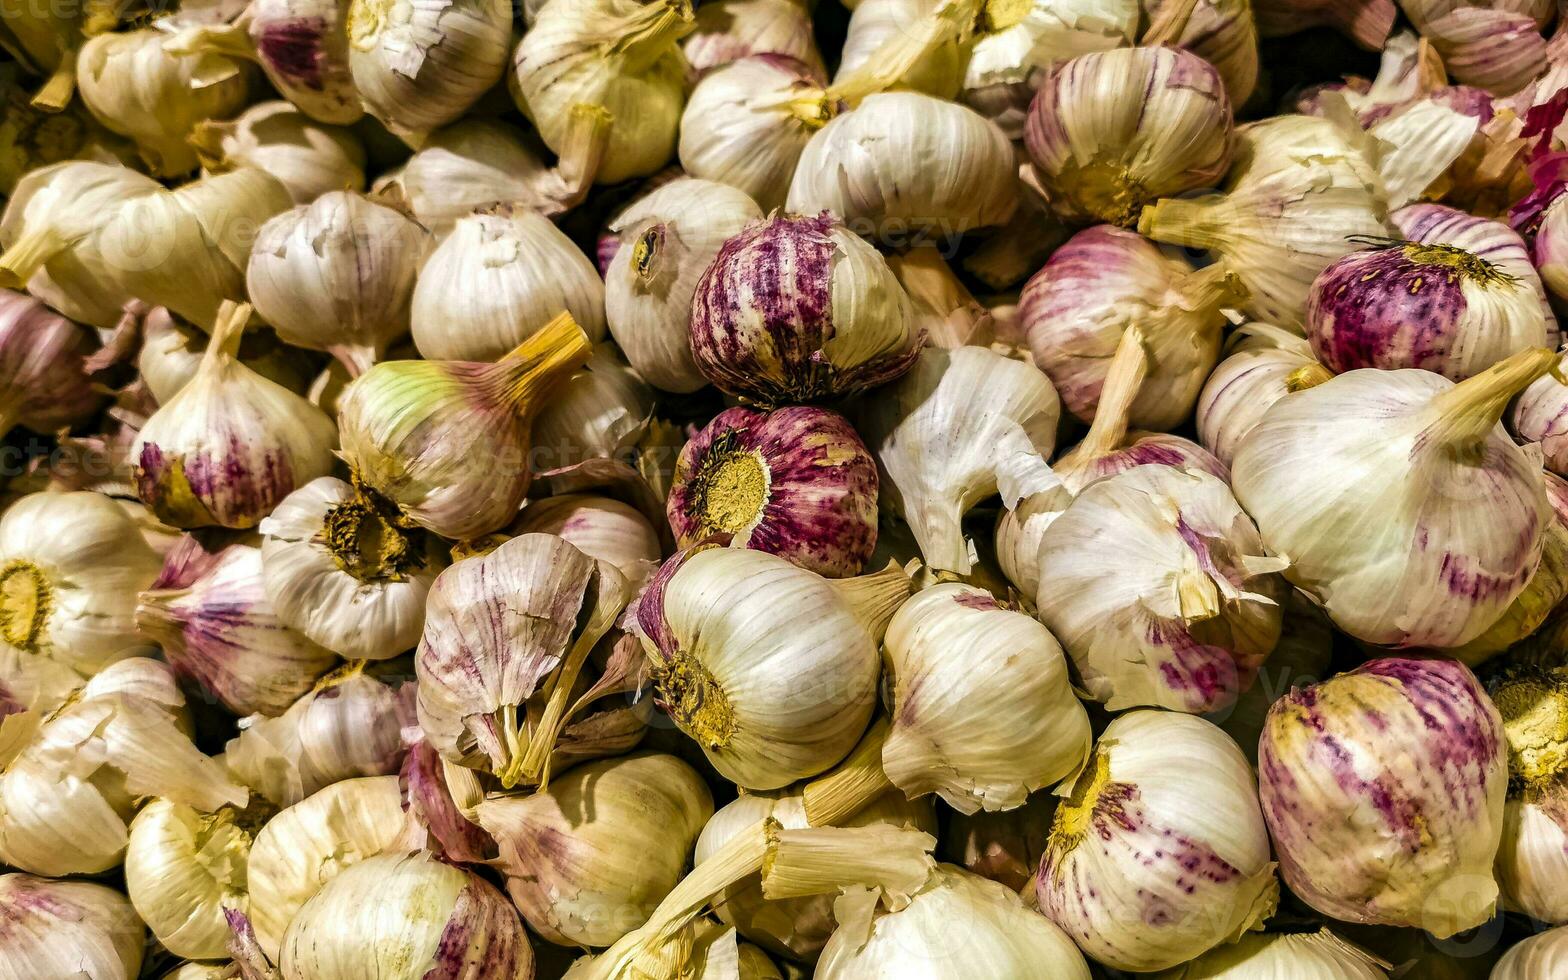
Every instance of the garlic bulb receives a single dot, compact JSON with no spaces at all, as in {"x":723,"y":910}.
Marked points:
{"x":1160,"y":853}
{"x":184,"y":868}
{"x":951,"y":649}
{"x":602,"y":528}
{"x":588,"y":859}
{"x":1367,"y":22}
{"x":1497,"y":47}
{"x":963,"y":425}
{"x":668,"y":239}
{"x":1263,"y":363}
{"x":1222,"y":32}
{"x":770,"y":668}
{"x":1258,"y":955}
{"x":310,"y":843}
{"x":598,"y":64}
{"x":1538,"y":956}
{"x":1455,"y":297}
{"x":904,"y":167}
{"x":310,"y":158}
{"x":1301,"y":192}
{"x":728,"y":30}
{"x":227,"y":447}
{"x":1462,"y":506}
{"x":1187,"y":623}
{"x":1532,"y":861}
{"x":406,"y":917}
{"x":796,"y":482}
{"x":44,"y":382}
{"x":875,"y":24}
{"x":346,"y":570}
{"x":1540,"y":416}
{"x":599,"y":413}
{"x":1338,"y":804}
{"x":447,"y":441}
{"x":60,"y":930}
{"x":172,"y":351}
{"x":1104,"y":279}
{"x":419,"y":66}
{"x":137,"y":89}
{"x":338,"y":275}
{"x":349,"y":724}
{"x":496,"y":280}
{"x":70,"y":567}
{"x":68,"y":795}
{"x":1003,"y":845}
{"x":1302,"y":657}
{"x":210,"y":613}
{"x":1111,"y":131}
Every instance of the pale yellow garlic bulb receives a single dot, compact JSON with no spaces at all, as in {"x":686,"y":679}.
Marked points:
{"x":63,"y":930}
{"x":309,"y":157}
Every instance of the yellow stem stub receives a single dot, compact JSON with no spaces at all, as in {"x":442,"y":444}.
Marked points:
{"x":694,"y":699}
{"x":1094,"y":798}
{"x":25,"y":601}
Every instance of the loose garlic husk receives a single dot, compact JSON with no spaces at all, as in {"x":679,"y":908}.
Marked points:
{"x":447,"y":441}
{"x":420,"y":66}
{"x":402,"y":916}
{"x":44,"y":382}
{"x":137,"y":89}
{"x":905,"y":167}
{"x":1532,"y":860}
{"x":709,"y":951}
{"x":963,"y":425}
{"x":1366,"y":22}
{"x":33,"y":687}
{"x":1456,"y":295}
{"x":1104,"y":279}
{"x":846,"y":323}
{"x":668,"y":239}
{"x":604,"y":82}
{"x":795,"y":482}
{"x":70,"y":567}
{"x":728,"y":30}
{"x":1538,"y":956}
{"x":1183,"y":612}
{"x":1452,"y":495}
{"x":68,"y":795}
{"x":498,"y":278}
{"x":770,"y":668}
{"x":588,"y":859}
{"x":60,"y":930}
{"x":338,"y":275}
{"x":172,"y":352}
{"x":599,"y":413}
{"x":1112,"y":131}
{"x":309,"y":157}
{"x":950,"y":649}
{"x":1263,"y":363}
{"x":227,"y":447}
{"x":1257,"y":955}
{"x":1222,"y":32}
{"x":1160,"y":852}
{"x":1338,"y":804}
{"x":1302,"y":191}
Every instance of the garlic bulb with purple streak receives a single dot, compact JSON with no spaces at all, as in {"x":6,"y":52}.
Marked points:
{"x":1263,"y":363}
{"x":795,"y":482}
{"x":44,"y":382}
{"x":1367,"y":22}
{"x":1282,"y":956}
{"x":1221,"y":32}
{"x":667,"y":241}
{"x":1532,"y":861}
{"x":728,"y":30}
{"x":1339,"y":805}
{"x":230,"y":444}
{"x":1373,"y":464}
{"x":210,"y":613}
{"x":1495,"y":46}
{"x":950,"y":650}
{"x":407,"y":916}
{"x":1454,"y":296}
{"x":600,"y":527}
{"x":1538,"y":956}
{"x":797,"y":308}
{"x":1112,"y":131}
{"x":1540,"y":416}
{"x":1159,"y":851}
{"x":1104,"y":279}
{"x":589,"y":858}
{"x":599,"y":413}
{"x":1301,"y":191}
{"x":59,"y":930}
{"x":309,"y":157}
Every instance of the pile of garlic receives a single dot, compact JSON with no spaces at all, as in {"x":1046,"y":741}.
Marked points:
{"x":747,"y":489}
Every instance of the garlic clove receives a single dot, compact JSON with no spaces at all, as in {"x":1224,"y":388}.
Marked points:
{"x":310,"y":158}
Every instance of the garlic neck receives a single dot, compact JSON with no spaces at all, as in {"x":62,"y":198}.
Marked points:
{"x":1095,"y":800}
{"x":876,"y":596}
{"x":853,"y":783}
{"x":227,"y":332}
{"x":952,"y":22}
{"x":207,"y":140}
{"x":694,"y":698}
{"x":1108,"y":432}
{"x":1211,"y":289}
{"x":587,"y":138}
{"x":156,"y":617}
{"x":26,"y":598}
{"x":821,"y":860}
{"x":56,"y":93}
{"x":1463,"y":416}
{"x":650,"y":34}
{"x":1194,"y":222}
{"x":369,"y":538}
{"x":523,"y":377}
{"x":29,"y":253}
{"x":231,"y":40}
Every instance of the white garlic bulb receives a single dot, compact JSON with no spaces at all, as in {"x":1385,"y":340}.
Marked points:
{"x":1160,"y":852}
{"x":61,"y":930}
{"x":1263,"y":363}
{"x":309,"y":157}
{"x":1308,"y":954}
{"x":728,"y":30}
{"x":598,"y":413}
{"x":1538,"y":956}
{"x":499,"y":276}
{"x":667,"y":241}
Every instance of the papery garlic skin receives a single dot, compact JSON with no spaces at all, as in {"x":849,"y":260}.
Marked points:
{"x":1538,"y":956}
{"x":1540,"y":416}
{"x":1160,"y":852}
{"x":44,"y":384}
{"x":1222,"y":32}
{"x":950,"y":649}
{"x":904,"y":167}
{"x":796,"y":482}
{"x":599,"y":527}
{"x":728,"y":30}
{"x":668,"y":239}
{"x":843,"y":325}
{"x":1532,"y":860}
{"x":1260,"y":956}
{"x":1112,"y":131}
{"x":338,"y":275}
{"x":499,"y":277}
{"x":875,"y":23}
{"x":60,"y":930}
{"x":470,"y":164}
{"x":70,"y":567}
{"x":308,"y":157}
{"x":407,"y":917}
{"x":1338,"y":804}
{"x":599,"y":413}
{"x":1367,"y":22}
{"x":1262,"y":364}
{"x":589,"y":858}
{"x":419,"y":66}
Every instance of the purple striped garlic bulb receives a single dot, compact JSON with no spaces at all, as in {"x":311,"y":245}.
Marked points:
{"x":795,"y":482}
{"x":1455,"y":296}
{"x":1384,"y":791}
{"x":1495,"y":46}
{"x":1540,"y":416}
{"x":798,"y":308}
{"x":1366,"y":22}
{"x":44,"y":382}
{"x":1532,"y":861}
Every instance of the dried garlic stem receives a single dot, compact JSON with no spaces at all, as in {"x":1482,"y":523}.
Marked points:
{"x":953,"y":21}
{"x":1129,"y":366}
{"x":540,"y":363}
{"x":857,"y":781}
{"x":822,"y":860}
{"x":1307,"y":376}
{"x":1462,"y":417}
{"x":57,"y":91}
{"x":876,"y":596}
